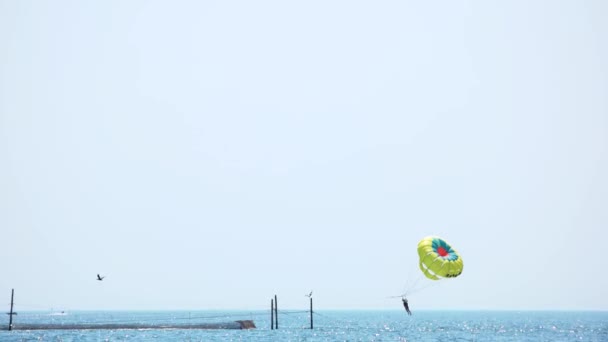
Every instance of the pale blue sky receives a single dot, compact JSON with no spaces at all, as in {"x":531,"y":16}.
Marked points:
{"x":209,"y":154}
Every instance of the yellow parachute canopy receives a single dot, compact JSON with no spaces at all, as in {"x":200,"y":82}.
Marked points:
{"x":438,"y":259}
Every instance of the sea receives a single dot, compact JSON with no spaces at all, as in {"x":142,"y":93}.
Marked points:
{"x":327,"y":325}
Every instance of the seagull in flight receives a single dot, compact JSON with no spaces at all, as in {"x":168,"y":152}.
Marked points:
{"x":100,"y":278}
{"x":309,"y":295}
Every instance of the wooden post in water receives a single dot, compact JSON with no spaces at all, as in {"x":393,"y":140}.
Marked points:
{"x":271,"y":314}
{"x":11,"y":313}
{"x":311,"y":312}
{"x":276,"y":312}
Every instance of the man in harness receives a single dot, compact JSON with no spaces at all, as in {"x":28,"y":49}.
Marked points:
{"x":406,"y":306}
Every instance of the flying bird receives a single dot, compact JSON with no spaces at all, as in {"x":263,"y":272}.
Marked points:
{"x":100,"y":278}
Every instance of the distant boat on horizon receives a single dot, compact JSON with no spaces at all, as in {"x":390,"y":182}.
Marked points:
{"x":58,"y":313}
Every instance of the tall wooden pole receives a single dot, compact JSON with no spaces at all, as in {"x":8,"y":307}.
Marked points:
{"x":10,"y":314}
{"x":310,"y":312}
{"x":271,"y":314}
{"x":276,"y":312}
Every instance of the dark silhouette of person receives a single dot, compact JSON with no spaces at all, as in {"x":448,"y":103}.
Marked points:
{"x":406,"y":306}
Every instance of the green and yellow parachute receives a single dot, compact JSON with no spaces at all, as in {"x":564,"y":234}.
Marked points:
{"x":438,"y":259}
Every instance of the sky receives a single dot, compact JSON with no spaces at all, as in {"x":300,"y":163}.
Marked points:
{"x":212,"y":154}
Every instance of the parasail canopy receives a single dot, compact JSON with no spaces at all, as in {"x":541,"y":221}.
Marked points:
{"x":438,"y":259}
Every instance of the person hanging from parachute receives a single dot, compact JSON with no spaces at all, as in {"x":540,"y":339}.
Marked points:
{"x":438,"y":260}
{"x":406,"y":305}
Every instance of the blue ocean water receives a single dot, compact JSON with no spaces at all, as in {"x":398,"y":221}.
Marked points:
{"x":367,"y":325}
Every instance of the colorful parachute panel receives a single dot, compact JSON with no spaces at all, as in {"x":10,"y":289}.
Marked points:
{"x":438,"y":259}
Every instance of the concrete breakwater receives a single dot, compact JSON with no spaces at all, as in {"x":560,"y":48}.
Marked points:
{"x":243,"y":324}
